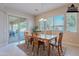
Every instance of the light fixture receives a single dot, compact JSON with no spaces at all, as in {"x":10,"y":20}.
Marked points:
{"x":72,"y":8}
{"x":36,"y":9}
{"x":41,"y":19}
{"x":45,"y":20}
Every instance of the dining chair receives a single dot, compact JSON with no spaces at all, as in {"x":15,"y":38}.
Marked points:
{"x":38,"y":43}
{"x":58,"y":45}
{"x":45,"y":44}
{"x":26,"y":37}
{"x":35,"y":42}
{"x":49,"y":32}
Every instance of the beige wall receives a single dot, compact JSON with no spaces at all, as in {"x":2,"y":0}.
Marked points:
{"x":69,"y":37}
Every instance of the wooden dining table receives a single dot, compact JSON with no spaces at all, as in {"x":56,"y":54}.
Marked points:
{"x":42,"y":37}
{"x":49,"y":38}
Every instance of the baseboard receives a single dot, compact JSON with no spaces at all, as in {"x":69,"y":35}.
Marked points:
{"x":72,"y":44}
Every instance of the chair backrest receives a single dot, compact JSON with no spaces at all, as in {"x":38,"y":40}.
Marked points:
{"x":25,"y":34}
{"x":60,"y":38}
{"x":46,"y":42}
{"x":49,"y":32}
{"x":35,"y":36}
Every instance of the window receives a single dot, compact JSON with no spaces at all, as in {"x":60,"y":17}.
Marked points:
{"x":15,"y":27}
{"x":23,"y":26}
{"x":42,"y":24}
{"x":50,"y":24}
{"x":55,"y":23}
{"x":59,"y":23}
{"x":72,"y":22}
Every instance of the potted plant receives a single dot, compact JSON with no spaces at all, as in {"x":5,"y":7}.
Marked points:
{"x":34,"y":30}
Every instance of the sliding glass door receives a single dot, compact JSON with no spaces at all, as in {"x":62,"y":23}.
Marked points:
{"x":23,"y":26}
{"x":17,"y":29}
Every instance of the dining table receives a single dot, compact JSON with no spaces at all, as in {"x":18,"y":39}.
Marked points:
{"x":49,"y":38}
{"x":42,"y":37}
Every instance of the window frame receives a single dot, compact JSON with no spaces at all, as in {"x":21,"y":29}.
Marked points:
{"x":75,"y":23}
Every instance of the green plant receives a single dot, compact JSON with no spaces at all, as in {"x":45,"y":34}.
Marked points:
{"x":34,"y":30}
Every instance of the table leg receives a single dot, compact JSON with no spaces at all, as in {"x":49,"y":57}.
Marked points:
{"x":48,"y":50}
{"x":55,"y":40}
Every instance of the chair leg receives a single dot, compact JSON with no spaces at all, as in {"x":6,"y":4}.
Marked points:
{"x":32,"y":47}
{"x":58,"y":50}
{"x":55,"y":41}
{"x":48,"y":50}
{"x":27,"y":44}
{"x":38,"y":49}
{"x":51,"y":47}
{"x":43,"y":47}
{"x":61,"y":48}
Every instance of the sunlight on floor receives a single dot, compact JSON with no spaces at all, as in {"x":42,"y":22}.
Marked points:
{"x":16,"y":43}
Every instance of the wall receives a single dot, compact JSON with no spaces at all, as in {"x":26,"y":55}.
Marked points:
{"x":4,"y":23}
{"x":3,"y":29}
{"x":69,"y":37}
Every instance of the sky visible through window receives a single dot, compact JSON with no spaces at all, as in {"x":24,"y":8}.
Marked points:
{"x":58,"y":20}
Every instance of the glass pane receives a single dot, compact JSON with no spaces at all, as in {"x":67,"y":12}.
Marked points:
{"x":58,"y":20}
{"x":72,"y":22}
{"x":42,"y":25}
{"x":50,"y":23}
{"x":59,"y":23}
{"x":23,"y":26}
{"x":15,"y":27}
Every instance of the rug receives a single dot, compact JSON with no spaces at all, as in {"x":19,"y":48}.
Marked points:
{"x":29,"y":52}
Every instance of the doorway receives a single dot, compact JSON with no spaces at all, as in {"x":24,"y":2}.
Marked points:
{"x":17,"y":27}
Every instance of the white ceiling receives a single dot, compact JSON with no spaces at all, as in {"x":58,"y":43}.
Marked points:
{"x":30,"y":7}
{"x":16,"y":19}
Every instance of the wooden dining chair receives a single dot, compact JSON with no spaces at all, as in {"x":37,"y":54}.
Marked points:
{"x":58,"y":45}
{"x":45,"y":44}
{"x":48,"y":32}
{"x":35,"y":42}
{"x":26,"y":37}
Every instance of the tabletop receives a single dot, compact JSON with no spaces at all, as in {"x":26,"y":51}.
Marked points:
{"x":46,"y":36}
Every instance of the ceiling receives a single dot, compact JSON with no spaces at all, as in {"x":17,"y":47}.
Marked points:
{"x":15,"y":19}
{"x":32,"y":8}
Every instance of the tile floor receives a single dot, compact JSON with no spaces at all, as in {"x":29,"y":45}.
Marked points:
{"x":14,"y":50}
{"x":68,"y":50}
{"x":11,"y":50}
